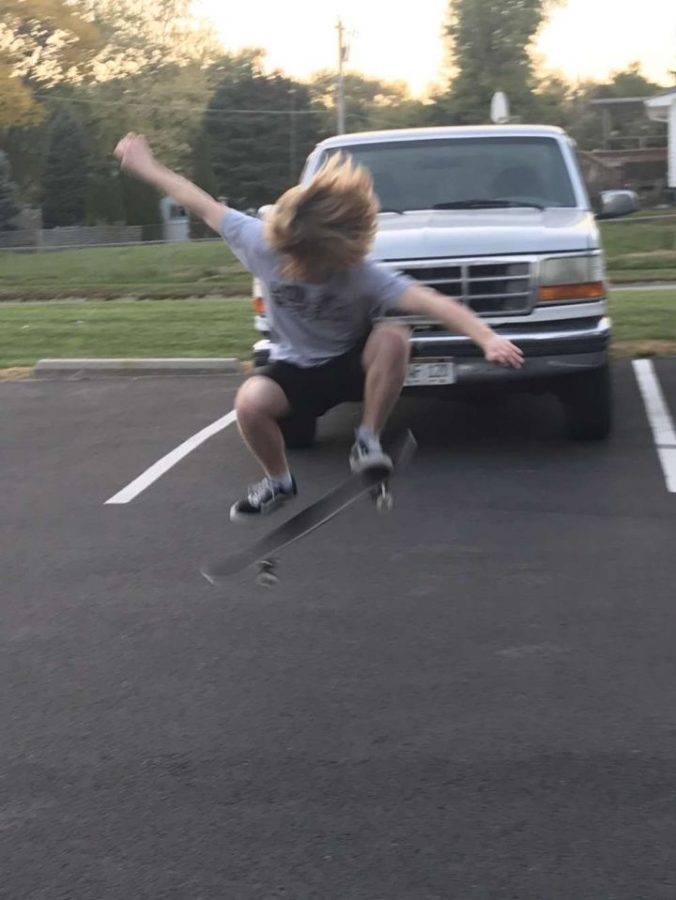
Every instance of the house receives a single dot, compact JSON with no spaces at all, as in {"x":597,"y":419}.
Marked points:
{"x":662,"y":108}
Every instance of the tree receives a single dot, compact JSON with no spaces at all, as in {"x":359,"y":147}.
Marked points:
{"x":554,"y":101}
{"x":166,"y":105}
{"x":18,"y":108}
{"x":203,"y":176}
{"x":42,"y":43}
{"x":64,"y":181}
{"x":370,"y":104}
{"x":260,"y":127}
{"x":9,"y":207}
{"x":490,"y":42}
{"x":142,"y":37}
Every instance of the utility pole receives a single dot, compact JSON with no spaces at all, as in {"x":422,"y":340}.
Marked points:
{"x":342,"y":57}
{"x":292,"y":135}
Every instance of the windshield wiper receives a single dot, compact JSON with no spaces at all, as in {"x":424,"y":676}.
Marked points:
{"x":399,"y":212}
{"x":487,"y":204}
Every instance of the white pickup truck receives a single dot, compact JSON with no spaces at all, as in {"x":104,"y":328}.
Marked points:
{"x":499,"y":218}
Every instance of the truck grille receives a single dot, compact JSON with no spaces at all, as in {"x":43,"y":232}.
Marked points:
{"x":486,"y":287}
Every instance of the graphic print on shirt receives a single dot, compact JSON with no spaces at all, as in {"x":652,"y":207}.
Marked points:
{"x":316,"y":303}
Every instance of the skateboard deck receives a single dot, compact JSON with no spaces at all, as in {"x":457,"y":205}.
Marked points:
{"x":374,"y":482}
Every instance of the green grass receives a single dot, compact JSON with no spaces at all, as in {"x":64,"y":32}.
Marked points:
{"x":29,"y":332}
{"x":643,"y":315}
{"x":191,"y":269}
{"x":623,"y":239}
{"x":634,"y":251}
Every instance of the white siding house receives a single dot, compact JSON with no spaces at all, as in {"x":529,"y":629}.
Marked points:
{"x":662,"y":108}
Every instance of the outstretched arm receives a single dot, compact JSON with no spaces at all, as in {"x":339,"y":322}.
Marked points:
{"x":424,"y":301}
{"x":136,"y":157}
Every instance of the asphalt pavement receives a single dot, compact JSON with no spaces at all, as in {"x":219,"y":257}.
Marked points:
{"x":473,"y":697}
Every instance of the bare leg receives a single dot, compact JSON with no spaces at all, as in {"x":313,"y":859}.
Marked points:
{"x":260,"y":403}
{"x":385,"y":360}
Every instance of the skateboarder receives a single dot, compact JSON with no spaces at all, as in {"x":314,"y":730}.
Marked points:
{"x":322,"y":296}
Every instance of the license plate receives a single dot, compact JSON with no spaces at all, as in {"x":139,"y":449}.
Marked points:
{"x":430,"y":372}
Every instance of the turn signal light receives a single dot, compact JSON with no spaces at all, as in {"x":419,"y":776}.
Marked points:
{"x":593,"y":290}
{"x":259,"y":306}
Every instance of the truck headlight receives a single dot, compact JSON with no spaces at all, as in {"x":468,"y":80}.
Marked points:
{"x":566,"y":278}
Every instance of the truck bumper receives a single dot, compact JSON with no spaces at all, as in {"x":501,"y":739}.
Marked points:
{"x":550,"y":352}
{"x":553,"y":352}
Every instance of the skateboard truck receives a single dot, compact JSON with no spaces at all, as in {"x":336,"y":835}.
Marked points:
{"x":382,"y":496}
{"x":267,"y":576}
{"x":373,"y":483}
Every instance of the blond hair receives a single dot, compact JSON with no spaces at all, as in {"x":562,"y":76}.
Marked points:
{"x":326,"y":225}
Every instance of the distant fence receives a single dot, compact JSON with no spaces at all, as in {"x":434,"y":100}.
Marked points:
{"x":83,"y":236}
{"x":74,"y":236}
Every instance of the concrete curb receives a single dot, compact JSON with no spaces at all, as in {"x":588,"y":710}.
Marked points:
{"x":108,"y":368}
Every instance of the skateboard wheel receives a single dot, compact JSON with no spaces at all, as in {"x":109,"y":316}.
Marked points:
{"x":267,"y":580}
{"x":384,"y":503}
{"x":266,"y":574}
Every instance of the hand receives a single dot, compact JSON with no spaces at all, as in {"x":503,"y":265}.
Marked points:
{"x":503,"y":352}
{"x":134,"y":154}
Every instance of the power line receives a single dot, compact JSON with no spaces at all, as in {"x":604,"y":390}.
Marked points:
{"x":182,"y":106}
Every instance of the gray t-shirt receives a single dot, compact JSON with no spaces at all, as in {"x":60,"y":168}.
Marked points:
{"x":312,"y":323}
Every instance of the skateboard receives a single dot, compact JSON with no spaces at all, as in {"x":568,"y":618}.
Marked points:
{"x":374,"y":482}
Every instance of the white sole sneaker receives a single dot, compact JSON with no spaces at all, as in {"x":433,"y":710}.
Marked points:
{"x":372,"y":459}
{"x":239,"y":513}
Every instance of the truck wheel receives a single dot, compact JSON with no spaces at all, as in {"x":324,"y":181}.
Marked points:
{"x":588,"y":405}
{"x":299,"y":431}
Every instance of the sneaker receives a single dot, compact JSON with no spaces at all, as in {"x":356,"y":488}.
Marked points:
{"x":263,"y":497}
{"x":368,"y":455}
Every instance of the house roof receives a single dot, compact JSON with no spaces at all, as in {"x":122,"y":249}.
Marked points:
{"x":664,"y":98}
{"x":659,"y":106}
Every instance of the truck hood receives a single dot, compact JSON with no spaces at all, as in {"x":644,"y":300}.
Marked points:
{"x":427,"y":234}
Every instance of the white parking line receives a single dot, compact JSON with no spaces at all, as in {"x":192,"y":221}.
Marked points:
{"x":163,"y":465}
{"x":660,"y":419}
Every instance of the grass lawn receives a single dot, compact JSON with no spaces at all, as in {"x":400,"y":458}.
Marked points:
{"x":621,"y":237}
{"x":644,"y":315}
{"x":634,"y":251}
{"x":155,"y":270}
{"x":29,"y":332}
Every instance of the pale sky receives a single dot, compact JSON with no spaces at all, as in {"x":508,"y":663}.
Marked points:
{"x":584,"y":38}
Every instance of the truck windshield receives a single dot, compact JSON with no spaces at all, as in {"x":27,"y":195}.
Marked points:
{"x":459,"y":173}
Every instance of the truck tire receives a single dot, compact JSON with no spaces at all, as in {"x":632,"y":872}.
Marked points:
{"x":299,"y":431}
{"x":588,"y":405}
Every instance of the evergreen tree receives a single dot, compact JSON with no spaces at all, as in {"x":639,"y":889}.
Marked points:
{"x":142,"y":206}
{"x":203,"y":176}
{"x":9,"y":207}
{"x":64,"y":179}
{"x":490,"y":50}
{"x":260,"y":128}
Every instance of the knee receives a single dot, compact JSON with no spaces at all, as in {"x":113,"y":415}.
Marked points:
{"x":244,"y":401}
{"x":393,"y":342}
{"x":257,"y":399}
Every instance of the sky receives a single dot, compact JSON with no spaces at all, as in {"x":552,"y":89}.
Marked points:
{"x":583,"y":39}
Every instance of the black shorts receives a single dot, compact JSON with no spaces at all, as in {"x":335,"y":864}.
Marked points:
{"x":315,"y":390}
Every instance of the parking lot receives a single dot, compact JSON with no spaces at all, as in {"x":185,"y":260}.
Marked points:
{"x":473,"y":697}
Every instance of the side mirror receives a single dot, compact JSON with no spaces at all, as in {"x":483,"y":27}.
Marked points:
{"x":612,"y":204}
